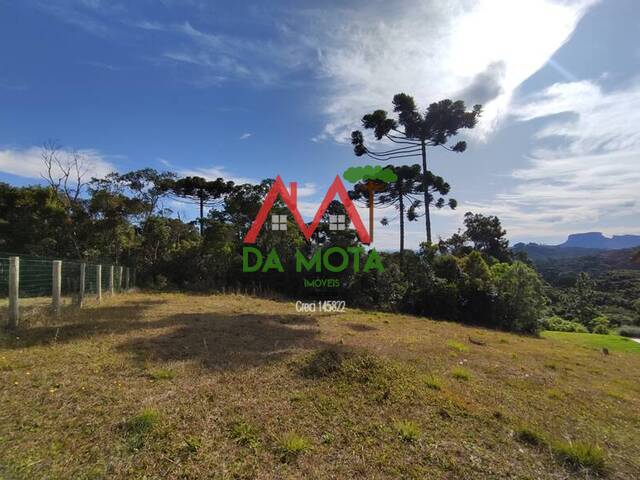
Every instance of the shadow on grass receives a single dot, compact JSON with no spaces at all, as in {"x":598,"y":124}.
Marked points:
{"x":217,"y":341}
{"x":228,"y":342}
{"x":80,"y":323}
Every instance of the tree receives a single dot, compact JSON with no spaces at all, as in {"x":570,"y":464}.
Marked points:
{"x":487,"y":235}
{"x":374,"y":180}
{"x":402,"y":192}
{"x":147,"y":186}
{"x":520,"y":298}
{"x":413,"y":132}
{"x":435,"y":185}
{"x":199,"y":190}
{"x":581,"y":299}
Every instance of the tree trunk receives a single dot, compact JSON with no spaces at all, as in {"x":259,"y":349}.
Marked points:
{"x":201,"y":214}
{"x":371,"y":214}
{"x":427,"y":216}
{"x":401,"y":230}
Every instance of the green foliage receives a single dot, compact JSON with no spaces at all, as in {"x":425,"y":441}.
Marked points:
{"x":600,"y":325}
{"x":369,"y":172}
{"x":558,"y":324}
{"x":521,"y":296}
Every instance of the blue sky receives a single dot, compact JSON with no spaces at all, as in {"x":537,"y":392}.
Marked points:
{"x":249,"y":90}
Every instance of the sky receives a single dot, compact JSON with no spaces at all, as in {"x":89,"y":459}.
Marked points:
{"x":250,"y":90}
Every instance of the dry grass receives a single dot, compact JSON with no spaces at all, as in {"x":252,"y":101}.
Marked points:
{"x":185,"y":386}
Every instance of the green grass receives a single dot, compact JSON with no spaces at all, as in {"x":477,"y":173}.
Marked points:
{"x":140,"y":426}
{"x":82,"y":403}
{"x":291,"y":445}
{"x":245,"y":434}
{"x":460,"y":347}
{"x":162,"y":374}
{"x":407,"y":430}
{"x":433,"y":382}
{"x":461,"y":373}
{"x":580,"y":455}
{"x":613,"y":343}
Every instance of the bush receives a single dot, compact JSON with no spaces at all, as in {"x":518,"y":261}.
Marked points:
{"x":520,"y":297}
{"x":629,"y":331}
{"x":558,"y":324}
{"x":530,"y":436}
{"x":600,"y":325}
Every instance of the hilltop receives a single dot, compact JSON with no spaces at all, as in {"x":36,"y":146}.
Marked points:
{"x":228,"y":386}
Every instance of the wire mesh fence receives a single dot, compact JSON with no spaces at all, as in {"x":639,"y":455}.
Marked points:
{"x":38,"y":288}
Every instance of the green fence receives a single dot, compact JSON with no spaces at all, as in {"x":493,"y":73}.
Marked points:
{"x":39,"y":285}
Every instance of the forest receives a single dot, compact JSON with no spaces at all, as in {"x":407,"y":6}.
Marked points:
{"x":472,"y":277}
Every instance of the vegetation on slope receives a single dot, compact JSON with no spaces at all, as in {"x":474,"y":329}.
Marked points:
{"x":259,"y":391}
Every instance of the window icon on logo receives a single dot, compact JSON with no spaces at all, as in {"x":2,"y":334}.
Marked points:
{"x":278,"y":222}
{"x":337,"y":222}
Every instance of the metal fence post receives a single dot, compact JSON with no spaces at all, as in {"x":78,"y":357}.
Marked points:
{"x":14,"y":289}
{"x":111,"y":283}
{"x":83,"y":277}
{"x":99,"y":282}
{"x":56,"y":288}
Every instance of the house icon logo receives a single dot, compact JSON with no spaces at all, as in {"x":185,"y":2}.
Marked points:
{"x":289,"y":197}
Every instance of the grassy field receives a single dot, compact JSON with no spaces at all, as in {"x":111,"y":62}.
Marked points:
{"x":230,"y":387}
{"x":613,"y":343}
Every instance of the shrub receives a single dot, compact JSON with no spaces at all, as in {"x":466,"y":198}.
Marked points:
{"x":520,"y":296}
{"x":580,"y":455}
{"x":629,"y":331}
{"x":291,"y":445}
{"x":407,"y":430}
{"x":558,"y":324}
{"x":600,"y":325}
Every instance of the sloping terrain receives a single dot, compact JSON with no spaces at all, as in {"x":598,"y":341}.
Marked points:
{"x":185,"y":386}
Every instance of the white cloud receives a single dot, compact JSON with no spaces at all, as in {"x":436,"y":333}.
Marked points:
{"x":436,"y":50}
{"x":28,"y":162}
{"x":244,"y":136}
{"x":592,"y":173}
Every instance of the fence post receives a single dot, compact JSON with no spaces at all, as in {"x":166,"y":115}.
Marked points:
{"x":56,"y":287}
{"x":126,"y":279}
{"x":83,"y":277}
{"x":111,"y":284}
{"x":99,"y":282}
{"x":14,"y":288}
{"x":120,"y":278}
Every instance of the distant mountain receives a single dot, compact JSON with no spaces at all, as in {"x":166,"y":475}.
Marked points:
{"x":599,"y":241}
{"x":578,"y":245}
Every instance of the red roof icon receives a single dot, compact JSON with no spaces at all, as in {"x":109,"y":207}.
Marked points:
{"x":290,"y":200}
